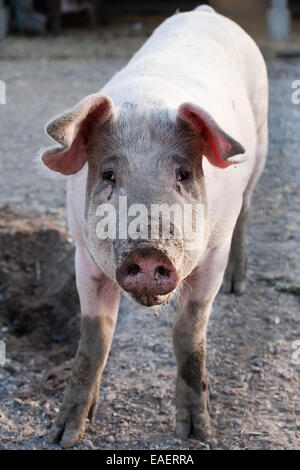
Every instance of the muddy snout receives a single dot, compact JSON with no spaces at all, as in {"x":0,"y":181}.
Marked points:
{"x":147,"y":272}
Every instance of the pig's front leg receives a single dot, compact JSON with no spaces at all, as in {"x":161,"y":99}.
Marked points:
{"x":99,"y":300}
{"x":189,"y":338}
{"x":192,"y":395}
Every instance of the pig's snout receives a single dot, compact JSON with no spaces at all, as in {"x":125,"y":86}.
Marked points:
{"x":149,"y":272}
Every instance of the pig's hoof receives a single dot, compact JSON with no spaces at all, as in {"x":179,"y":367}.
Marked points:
{"x":191,"y":423}
{"x":69,"y":426}
{"x":66,"y":438}
{"x":236,"y":287}
{"x":239,"y":288}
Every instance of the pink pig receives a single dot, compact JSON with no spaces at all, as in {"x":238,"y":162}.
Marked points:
{"x":185,"y":122}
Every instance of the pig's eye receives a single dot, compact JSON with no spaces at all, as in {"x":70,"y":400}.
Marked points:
{"x":108,"y":175}
{"x":182,"y":175}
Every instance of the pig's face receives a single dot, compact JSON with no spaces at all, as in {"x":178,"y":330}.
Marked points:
{"x":142,"y":158}
{"x":148,"y":160}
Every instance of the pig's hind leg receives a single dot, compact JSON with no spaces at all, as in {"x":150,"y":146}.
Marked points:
{"x":99,"y":299}
{"x":235,"y":275}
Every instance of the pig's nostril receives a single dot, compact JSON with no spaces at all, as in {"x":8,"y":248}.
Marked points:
{"x":133,"y":270}
{"x":162,"y":271}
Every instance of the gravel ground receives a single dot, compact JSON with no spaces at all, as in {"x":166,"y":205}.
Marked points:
{"x":251,"y":361}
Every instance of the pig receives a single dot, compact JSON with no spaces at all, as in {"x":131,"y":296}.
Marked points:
{"x":184,"y":122}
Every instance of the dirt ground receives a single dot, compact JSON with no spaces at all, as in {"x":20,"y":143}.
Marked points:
{"x":252,"y":366}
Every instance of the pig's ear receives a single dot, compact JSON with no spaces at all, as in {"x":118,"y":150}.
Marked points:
{"x":216,"y":145}
{"x":72,"y":129}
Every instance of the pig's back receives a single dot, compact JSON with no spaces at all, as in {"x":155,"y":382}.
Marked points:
{"x":197,"y":56}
